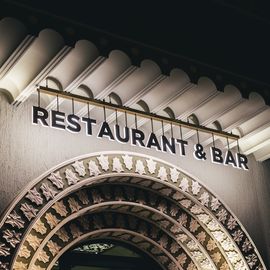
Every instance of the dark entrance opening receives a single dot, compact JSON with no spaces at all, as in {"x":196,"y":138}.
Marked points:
{"x":105,"y":255}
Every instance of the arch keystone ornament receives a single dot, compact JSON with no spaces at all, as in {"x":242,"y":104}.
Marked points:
{"x":128,"y":197}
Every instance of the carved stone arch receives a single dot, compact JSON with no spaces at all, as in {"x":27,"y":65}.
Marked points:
{"x":186,"y":206}
{"x":133,"y":239}
{"x":106,"y":240}
{"x":98,"y":200}
{"x":151,"y":244}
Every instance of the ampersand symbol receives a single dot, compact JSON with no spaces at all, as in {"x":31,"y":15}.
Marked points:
{"x":199,"y":153}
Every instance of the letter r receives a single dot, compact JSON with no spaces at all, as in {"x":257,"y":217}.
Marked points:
{"x":40,"y":115}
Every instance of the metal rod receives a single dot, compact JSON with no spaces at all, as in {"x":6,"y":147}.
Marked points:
{"x":104,"y":113}
{"x":228,"y":144}
{"x":100,"y":103}
{"x":57,"y":101}
{"x":116,"y":117}
{"x":238,"y":147}
{"x":213,"y":138}
{"x":126,"y":118}
{"x":171,"y":130}
{"x":38,"y":98}
{"x":181,"y":132}
{"x":136,"y":125}
{"x":88,"y":110}
{"x":73,"y":106}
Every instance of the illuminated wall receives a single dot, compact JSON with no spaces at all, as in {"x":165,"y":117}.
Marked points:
{"x":27,"y":151}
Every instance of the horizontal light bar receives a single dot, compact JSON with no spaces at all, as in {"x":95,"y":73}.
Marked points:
{"x":108,"y":105}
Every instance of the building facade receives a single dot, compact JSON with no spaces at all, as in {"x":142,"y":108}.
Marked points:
{"x":94,"y":146}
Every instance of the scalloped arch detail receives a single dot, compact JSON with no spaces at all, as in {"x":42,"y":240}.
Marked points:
{"x":54,"y":41}
{"x":67,"y":191}
{"x":206,"y":83}
{"x":7,"y":95}
{"x":53,"y":83}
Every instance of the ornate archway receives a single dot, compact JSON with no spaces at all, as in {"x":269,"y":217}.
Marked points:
{"x":130,"y":197}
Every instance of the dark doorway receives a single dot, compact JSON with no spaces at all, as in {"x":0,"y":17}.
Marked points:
{"x":105,"y":255}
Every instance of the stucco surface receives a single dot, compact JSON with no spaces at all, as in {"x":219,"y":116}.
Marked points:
{"x":26,"y":151}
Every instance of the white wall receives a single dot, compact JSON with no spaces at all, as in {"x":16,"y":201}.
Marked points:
{"x":26,"y":151}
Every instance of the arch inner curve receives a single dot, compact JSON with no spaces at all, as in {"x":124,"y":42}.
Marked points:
{"x":129,"y":196}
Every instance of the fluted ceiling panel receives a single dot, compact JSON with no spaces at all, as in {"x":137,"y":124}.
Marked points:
{"x":45,"y":59}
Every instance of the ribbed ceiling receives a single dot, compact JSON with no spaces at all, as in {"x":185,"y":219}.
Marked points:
{"x":27,"y":61}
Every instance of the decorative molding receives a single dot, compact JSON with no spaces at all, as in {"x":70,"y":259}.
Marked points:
{"x":48,"y":192}
{"x":15,"y":220}
{"x":71,"y":177}
{"x":39,"y":227}
{"x":140,"y":169}
{"x":215,"y":233}
{"x":28,"y":210}
{"x":79,"y":168}
{"x":128,"y":161}
{"x":4,"y":250}
{"x":60,"y":208}
{"x":93,"y":168}
{"x":12,"y":237}
{"x":104,"y":162}
{"x":56,"y":180}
